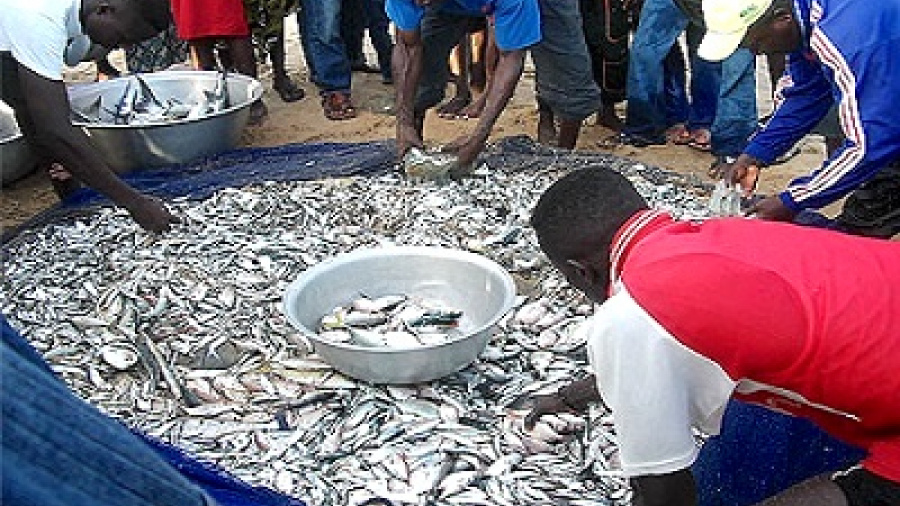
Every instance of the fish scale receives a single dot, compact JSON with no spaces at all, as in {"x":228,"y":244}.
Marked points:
{"x":219,"y":277}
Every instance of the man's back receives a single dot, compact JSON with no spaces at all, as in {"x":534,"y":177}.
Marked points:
{"x":810,"y":316}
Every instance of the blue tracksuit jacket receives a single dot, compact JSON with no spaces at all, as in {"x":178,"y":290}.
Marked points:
{"x":850,"y":57}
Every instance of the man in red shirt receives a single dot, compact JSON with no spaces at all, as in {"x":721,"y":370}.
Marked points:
{"x":801,"y":321}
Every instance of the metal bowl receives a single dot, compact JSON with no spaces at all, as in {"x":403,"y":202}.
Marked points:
{"x":483,"y":290}
{"x":129,"y":147}
{"x":16,"y":158}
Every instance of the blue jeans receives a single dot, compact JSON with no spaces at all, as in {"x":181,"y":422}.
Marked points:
{"x":57,"y":450}
{"x":736,"y":116}
{"x":379,"y":33}
{"x":723,"y":95}
{"x":326,"y":55}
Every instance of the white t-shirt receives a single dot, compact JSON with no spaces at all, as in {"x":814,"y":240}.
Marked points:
{"x":657,"y":388}
{"x":38,"y":32}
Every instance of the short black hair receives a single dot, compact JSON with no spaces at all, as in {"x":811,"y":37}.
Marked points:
{"x":583,"y":210}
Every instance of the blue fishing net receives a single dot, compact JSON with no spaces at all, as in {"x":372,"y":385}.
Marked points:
{"x":758,"y":454}
{"x":236,"y":168}
{"x":36,"y":407}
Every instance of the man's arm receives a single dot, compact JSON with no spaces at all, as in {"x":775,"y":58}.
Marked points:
{"x":574,"y":397}
{"x":866,"y":104}
{"x":800,"y":105}
{"x":506,"y":77}
{"x":671,"y":489}
{"x":407,"y":68}
{"x":48,"y":105}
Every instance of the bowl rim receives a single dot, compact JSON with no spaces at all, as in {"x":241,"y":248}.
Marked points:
{"x":17,"y":134}
{"x":379,"y":251}
{"x":254,"y":86}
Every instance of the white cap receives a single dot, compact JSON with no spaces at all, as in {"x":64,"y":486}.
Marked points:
{"x":727,"y":22}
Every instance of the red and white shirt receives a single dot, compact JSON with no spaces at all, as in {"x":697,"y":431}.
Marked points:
{"x":800,"y":320}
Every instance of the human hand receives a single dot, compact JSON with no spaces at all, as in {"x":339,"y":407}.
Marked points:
{"x":772,"y":208}
{"x":407,"y":138}
{"x":573,"y":398}
{"x":548,"y":404}
{"x":744,"y":171}
{"x":466,"y":149}
{"x":151,"y":214}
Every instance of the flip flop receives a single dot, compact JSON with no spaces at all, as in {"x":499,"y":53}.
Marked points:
{"x":678,"y":134}
{"x":337,"y":106}
{"x":634,"y":140}
{"x":701,"y":140}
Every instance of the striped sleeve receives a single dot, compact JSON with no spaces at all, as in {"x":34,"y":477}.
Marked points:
{"x":803,"y":99}
{"x":866,"y":80}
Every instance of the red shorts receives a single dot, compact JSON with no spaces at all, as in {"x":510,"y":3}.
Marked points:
{"x":197,"y":19}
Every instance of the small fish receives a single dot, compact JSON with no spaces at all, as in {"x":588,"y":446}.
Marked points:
{"x":218,"y":99}
{"x":90,"y":114}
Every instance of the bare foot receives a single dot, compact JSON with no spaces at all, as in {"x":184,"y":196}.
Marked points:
{"x":474,"y":109}
{"x":286,"y":89}
{"x":452,"y":108}
{"x":62,"y":181}
{"x":258,"y":113}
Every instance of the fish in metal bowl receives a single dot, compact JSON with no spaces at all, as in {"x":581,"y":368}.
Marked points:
{"x":400,"y":314}
{"x":163,"y":118}
{"x":16,"y":158}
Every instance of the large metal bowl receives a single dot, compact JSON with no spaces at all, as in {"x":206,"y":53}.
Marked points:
{"x":129,"y":147}
{"x":483,"y":290}
{"x":16,"y":157}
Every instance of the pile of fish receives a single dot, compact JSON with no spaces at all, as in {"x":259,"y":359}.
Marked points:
{"x":182,"y":336}
{"x":391,"y":321}
{"x":139,"y":106}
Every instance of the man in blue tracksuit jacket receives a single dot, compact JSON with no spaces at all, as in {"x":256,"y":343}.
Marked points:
{"x":843,"y":53}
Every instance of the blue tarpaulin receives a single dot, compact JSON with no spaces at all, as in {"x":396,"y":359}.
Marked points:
{"x":32,"y":442}
{"x":758,"y":454}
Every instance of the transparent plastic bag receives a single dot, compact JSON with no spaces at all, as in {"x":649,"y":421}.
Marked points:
{"x":725,"y":200}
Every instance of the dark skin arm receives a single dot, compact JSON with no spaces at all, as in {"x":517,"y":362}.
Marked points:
{"x":48,"y":105}
{"x":672,"y":489}
{"x":407,"y":69}
{"x":506,"y":77}
{"x":406,"y":66}
{"x":572,"y":398}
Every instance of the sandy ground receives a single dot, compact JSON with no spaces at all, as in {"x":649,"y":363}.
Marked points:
{"x":303,"y":121}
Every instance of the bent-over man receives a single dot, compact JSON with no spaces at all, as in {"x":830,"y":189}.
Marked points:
{"x":798,"y":320}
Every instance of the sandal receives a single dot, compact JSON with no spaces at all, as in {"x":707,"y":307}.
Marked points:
{"x":678,"y":134}
{"x":633,"y":140}
{"x":337,"y":106}
{"x":701,"y":140}
{"x":287,"y":90}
